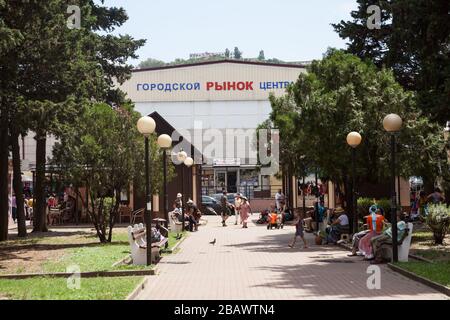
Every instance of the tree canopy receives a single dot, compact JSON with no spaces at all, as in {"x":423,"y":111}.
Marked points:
{"x":414,"y":41}
{"x":340,"y":94}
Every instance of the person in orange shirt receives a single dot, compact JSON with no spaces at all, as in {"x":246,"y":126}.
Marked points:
{"x":376,"y":223}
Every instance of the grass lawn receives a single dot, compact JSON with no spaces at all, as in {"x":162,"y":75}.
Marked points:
{"x":438,"y":271}
{"x":115,"y":288}
{"x":57,"y":250}
{"x":423,"y":245}
{"x":95,"y":256}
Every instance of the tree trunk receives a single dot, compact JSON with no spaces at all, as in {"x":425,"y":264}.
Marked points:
{"x":40,"y":216}
{"x":112,"y":215}
{"x":18,"y":186}
{"x":4,"y":152}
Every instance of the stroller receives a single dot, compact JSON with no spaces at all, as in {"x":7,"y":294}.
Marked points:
{"x":275,"y":221}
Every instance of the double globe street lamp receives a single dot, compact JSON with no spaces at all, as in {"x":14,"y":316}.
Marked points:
{"x":392,"y":123}
{"x":354,"y":140}
{"x":184,"y":160}
{"x":165,"y":142}
{"x":146,"y":126}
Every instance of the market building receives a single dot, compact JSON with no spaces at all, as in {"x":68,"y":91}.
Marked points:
{"x":217,"y":106}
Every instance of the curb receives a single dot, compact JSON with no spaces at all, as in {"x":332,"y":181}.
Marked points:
{"x":140,"y":287}
{"x":419,"y":258}
{"x":177,"y":245}
{"x":436,"y":286}
{"x":121,"y":261}
{"x":92,"y":274}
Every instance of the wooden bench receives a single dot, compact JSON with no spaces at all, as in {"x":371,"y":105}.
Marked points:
{"x":137,"y":237}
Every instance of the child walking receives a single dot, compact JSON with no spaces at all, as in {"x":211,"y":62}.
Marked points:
{"x":299,"y":230}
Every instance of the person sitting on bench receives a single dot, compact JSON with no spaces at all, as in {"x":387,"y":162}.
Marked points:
{"x":385,"y":239}
{"x":156,"y":234}
{"x":338,"y":227}
{"x":376,"y":223}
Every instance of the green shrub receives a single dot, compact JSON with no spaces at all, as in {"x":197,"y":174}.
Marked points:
{"x":438,"y":219}
{"x":365,"y":203}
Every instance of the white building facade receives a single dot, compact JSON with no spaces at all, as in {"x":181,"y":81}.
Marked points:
{"x":217,"y":106}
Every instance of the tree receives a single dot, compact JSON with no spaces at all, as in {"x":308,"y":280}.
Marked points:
{"x":341,"y":94}
{"x":57,"y":69}
{"x":104,"y":153}
{"x":237,"y":54}
{"x":151,"y":63}
{"x":414,"y":40}
{"x":227,"y":53}
{"x":261,"y":56}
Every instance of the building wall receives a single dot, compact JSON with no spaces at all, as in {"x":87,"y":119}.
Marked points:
{"x":28,"y":150}
{"x":201,"y":75}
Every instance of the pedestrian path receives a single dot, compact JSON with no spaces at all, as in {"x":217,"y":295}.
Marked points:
{"x":256,"y":263}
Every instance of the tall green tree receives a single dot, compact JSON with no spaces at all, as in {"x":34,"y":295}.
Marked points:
{"x":414,"y":40}
{"x":57,"y":69}
{"x":105,"y":153}
{"x":340,"y":94}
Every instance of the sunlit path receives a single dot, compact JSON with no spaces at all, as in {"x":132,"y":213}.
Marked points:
{"x":256,"y":263}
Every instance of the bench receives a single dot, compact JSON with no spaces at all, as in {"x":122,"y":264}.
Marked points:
{"x":403,"y":248}
{"x":138,"y":245}
{"x":175,"y":225}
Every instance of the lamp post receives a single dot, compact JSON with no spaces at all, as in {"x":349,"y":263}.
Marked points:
{"x":146,"y":126}
{"x":188,"y":162}
{"x":181,"y":156}
{"x":165,"y":142}
{"x":392,"y":123}
{"x":353,"y":140}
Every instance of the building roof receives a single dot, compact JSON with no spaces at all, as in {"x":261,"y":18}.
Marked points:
{"x":283,"y":65}
{"x":164,"y":127}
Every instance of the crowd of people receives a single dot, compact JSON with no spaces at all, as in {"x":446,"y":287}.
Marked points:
{"x":64,"y":201}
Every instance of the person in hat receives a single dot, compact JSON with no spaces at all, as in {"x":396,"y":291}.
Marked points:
{"x":193,"y":215}
{"x":244,"y":211}
{"x":339,"y":226}
{"x":179,"y":201}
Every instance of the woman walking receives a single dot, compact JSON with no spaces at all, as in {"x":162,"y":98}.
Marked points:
{"x":244,"y":211}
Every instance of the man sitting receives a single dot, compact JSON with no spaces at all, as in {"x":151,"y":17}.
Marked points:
{"x":338,"y":227}
{"x":385,"y":239}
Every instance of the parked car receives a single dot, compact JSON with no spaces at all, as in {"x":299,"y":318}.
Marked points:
{"x":218,"y":196}
{"x":210,"y":205}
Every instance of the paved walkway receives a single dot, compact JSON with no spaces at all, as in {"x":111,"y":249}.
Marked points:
{"x":256,"y":263}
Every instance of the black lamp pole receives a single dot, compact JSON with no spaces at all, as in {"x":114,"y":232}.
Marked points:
{"x":393,"y":202}
{"x":355,"y":204}
{"x":148,"y":218}
{"x":166,"y":200}
{"x":182,"y":197}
